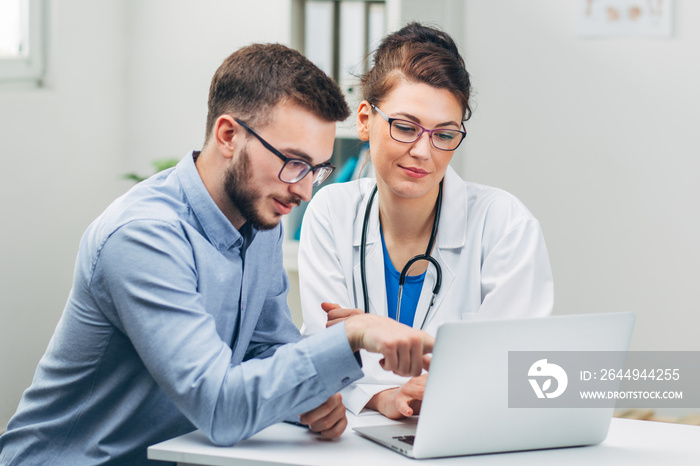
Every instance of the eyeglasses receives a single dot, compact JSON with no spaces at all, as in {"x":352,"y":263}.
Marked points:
{"x":407,"y":131}
{"x":294,"y":170}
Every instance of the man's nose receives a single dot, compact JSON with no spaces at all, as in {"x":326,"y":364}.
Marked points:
{"x":304,"y":187}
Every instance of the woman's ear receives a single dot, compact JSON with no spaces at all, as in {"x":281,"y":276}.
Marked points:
{"x":363,"y":112}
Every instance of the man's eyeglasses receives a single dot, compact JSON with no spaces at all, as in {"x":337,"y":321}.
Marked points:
{"x":408,"y":131}
{"x":294,"y":170}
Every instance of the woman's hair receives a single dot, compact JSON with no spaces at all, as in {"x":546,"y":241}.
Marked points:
{"x":419,"y":54}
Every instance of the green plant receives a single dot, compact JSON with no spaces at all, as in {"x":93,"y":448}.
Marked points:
{"x":159,"y":166}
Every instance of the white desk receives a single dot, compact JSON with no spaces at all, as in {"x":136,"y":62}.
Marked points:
{"x":629,"y":442}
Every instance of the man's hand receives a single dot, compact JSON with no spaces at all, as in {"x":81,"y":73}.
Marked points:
{"x":338,"y":314}
{"x":405,"y":401}
{"x":328,"y":419}
{"x":401,"y":346}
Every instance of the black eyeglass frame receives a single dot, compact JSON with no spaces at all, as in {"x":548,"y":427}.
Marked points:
{"x":327,"y":166}
{"x":430,"y":132}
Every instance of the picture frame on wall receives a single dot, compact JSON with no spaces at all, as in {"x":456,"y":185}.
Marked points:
{"x":625,"y":18}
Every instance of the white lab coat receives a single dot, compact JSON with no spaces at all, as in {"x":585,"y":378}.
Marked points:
{"x":490,"y":247}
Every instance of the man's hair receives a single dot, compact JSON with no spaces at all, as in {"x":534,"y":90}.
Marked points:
{"x":254,"y":79}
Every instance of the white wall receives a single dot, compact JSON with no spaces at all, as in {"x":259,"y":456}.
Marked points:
{"x":600,"y":138}
{"x":61,"y":149}
{"x":127,"y":83}
{"x":174,"y":49}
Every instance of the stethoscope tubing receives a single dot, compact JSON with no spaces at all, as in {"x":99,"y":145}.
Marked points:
{"x":402,"y":277}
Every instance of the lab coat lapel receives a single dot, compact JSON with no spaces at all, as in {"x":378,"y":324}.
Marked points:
{"x":452,"y":231}
{"x":448,"y":278}
{"x":375,"y":280}
{"x":374,"y":260}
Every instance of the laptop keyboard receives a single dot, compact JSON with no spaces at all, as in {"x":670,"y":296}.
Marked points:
{"x":405,"y":438}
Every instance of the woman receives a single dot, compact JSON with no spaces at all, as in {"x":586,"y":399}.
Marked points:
{"x":482,"y":252}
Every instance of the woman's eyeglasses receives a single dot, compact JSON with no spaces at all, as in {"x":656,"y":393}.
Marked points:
{"x":408,"y":131}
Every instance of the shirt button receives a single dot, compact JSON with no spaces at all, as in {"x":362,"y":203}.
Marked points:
{"x":346,"y":381}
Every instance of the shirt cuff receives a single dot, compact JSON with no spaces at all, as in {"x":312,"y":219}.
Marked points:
{"x":357,"y":395}
{"x":333,"y":358}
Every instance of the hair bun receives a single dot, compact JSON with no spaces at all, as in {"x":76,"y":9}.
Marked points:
{"x":419,"y":53}
{"x":415,"y":32}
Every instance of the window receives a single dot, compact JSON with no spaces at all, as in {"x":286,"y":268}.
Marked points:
{"x":21,"y":57}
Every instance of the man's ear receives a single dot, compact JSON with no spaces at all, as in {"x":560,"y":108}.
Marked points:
{"x":363,"y":120}
{"x":227,"y":135}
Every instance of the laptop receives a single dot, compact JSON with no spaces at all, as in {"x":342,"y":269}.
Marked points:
{"x":465,"y":409}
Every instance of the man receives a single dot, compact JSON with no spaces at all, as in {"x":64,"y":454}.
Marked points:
{"x":177,"y":318}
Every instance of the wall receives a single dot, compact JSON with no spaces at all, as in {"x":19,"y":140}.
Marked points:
{"x":174,"y":49}
{"x":61,"y":147}
{"x":600,"y":139}
{"x":127,"y":83}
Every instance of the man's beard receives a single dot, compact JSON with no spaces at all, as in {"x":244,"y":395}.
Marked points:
{"x":244,"y":195}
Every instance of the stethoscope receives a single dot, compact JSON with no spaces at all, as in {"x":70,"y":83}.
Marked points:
{"x":402,"y":278}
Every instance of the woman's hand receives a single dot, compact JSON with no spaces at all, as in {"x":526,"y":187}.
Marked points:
{"x":337,"y":314}
{"x":405,"y":401}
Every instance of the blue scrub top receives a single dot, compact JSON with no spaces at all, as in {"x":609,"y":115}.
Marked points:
{"x":412,"y":287}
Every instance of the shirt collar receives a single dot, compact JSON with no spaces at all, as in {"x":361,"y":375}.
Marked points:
{"x":217,"y":228}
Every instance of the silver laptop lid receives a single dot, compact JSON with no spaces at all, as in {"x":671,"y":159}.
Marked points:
{"x":465,"y":408}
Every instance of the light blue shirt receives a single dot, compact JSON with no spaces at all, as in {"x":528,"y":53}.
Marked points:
{"x":168,"y":301}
